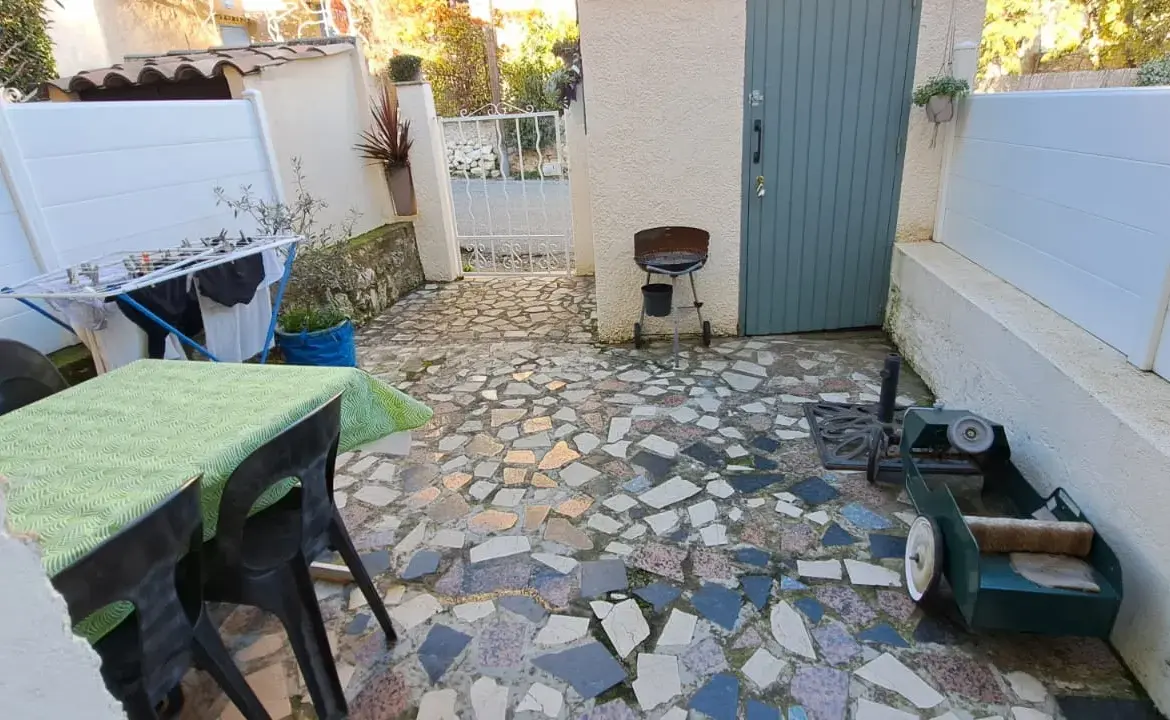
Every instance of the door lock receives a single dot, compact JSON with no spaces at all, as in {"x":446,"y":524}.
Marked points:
{"x":760,"y":186}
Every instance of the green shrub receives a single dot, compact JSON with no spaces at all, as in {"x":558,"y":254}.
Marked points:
{"x":1154,"y":72}
{"x":940,"y":85}
{"x":405,"y":68}
{"x":26,"y":53}
{"x":311,"y":319}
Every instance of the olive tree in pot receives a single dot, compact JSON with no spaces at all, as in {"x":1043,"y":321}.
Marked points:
{"x":388,"y":143}
{"x":314,"y":326}
{"x":937,"y":96}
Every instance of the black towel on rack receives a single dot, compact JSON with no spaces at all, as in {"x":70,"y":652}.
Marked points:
{"x":232,"y":283}
{"x":173,"y":302}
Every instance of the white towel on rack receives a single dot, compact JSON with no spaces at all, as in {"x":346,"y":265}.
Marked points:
{"x":236,"y":333}
{"x":121,"y":342}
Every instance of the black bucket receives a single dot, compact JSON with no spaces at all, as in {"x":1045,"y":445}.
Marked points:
{"x":656,"y":299}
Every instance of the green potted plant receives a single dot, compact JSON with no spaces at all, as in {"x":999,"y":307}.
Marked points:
{"x":405,"y":68}
{"x":937,"y":97}
{"x":314,"y":326}
{"x":1154,"y":72}
{"x":387,"y":144}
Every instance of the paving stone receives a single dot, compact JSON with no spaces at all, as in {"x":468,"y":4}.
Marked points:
{"x":861,"y":573}
{"x":660,"y":559}
{"x":886,"y":546}
{"x":562,"y":629}
{"x":560,"y":455}
{"x":797,"y":539}
{"x":754,"y":482}
{"x":869,"y":710}
{"x":837,"y":645}
{"x":508,"y":497}
{"x":376,"y":495}
{"x":825,"y":569}
{"x":719,"y":698}
{"x":742,"y":383}
{"x":543,"y":699}
{"x":1025,"y":687}
{"x":449,"y":508}
{"x":439,"y":650}
{"x":847,"y":603}
{"x":501,"y":646}
{"x":358,"y":625}
{"x":436,"y":705}
{"x":885,"y":671}
{"x":659,"y":446}
{"x":836,"y":536}
{"x":618,"y":427}
{"x":718,"y":604}
{"x":604,"y":523}
{"x":763,"y":668}
{"x":658,"y":594}
{"x":712,"y":565}
{"x":705,"y":658}
{"x":820,"y":517}
{"x":530,"y":442}
{"x":472,"y":611}
{"x":656,"y":466}
{"x":758,"y":589}
{"x":578,"y":474}
{"x":385,"y":696}
{"x":720,"y":489}
{"x":788,"y":629}
{"x":492,"y":521}
{"x":415,"y":611}
{"x":896,"y":604}
{"x":658,"y":680}
{"x":883,"y":634}
{"x":702,"y":513}
{"x":668,"y":493}
{"x":612,"y":710}
{"x":489,"y":700}
{"x":540,"y":480}
{"x":575,"y":506}
{"x":812,"y":609}
{"x":480,"y":489}
{"x":524,"y":606}
{"x":560,"y":563}
{"x":822,"y":691}
{"x":534,"y":515}
{"x":562,"y":531}
{"x":620,"y":502}
{"x":788,"y":509}
{"x":423,"y":562}
{"x":455,"y":481}
{"x":601,"y":576}
{"x":966,"y":677}
{"x":624,"y":625}
{"x":705,"y":454}
{"x":864,"y":518}
{"x":663,"y":522}
{"x":753,"y":556}
{"x":679,"y":629}
{"x":498,"y":547}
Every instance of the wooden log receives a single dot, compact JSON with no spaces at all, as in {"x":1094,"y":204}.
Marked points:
{"x":330,"y":572}
{"x":1006,"y":535}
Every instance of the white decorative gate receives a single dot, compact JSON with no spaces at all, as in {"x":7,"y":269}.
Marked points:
{"x":510,"y":187}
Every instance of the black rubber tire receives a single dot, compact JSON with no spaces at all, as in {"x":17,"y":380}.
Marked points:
{"x":638,"y":341}
{"x":706,"y":333}
{"x":878,"y":444}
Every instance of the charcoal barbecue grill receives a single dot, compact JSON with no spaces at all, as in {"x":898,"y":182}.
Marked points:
{"x":672,"y":251}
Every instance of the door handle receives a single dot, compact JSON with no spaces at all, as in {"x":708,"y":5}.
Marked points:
{"x":758,"y":128}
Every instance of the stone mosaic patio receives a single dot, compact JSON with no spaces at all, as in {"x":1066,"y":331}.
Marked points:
{"x":586,"y":531}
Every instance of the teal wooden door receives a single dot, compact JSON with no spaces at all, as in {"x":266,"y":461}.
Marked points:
{"x":826,"y":101}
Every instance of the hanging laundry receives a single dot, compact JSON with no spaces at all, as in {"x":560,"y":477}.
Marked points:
{"x":170,"y":300}
{"x":232,"y":283}
{"x":236,"y":332}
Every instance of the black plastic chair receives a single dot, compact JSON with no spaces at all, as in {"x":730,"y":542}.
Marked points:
{"x":154,"y":564}
{"x":263,"y":560}
{"x":25,"y":376}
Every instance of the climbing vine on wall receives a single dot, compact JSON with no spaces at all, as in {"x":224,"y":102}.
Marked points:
{"x":26,"y":53}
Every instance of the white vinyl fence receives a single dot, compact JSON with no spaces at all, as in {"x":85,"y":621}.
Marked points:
{"x":1066,"y":195}
{"x":84,"y":179}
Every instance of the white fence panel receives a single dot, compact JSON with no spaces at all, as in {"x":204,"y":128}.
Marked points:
{"x":1063,"y":194}
{"x":112,"y":176}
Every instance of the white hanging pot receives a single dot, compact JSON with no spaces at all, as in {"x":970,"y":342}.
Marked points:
{"x":940,"y":108}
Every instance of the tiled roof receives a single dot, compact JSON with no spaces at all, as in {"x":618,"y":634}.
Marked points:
{"x":187,"y":64}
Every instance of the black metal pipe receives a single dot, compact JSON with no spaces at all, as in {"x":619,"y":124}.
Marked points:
{"x":889,"y":394}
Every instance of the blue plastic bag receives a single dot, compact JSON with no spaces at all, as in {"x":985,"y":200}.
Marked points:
{"x":333,"y":347}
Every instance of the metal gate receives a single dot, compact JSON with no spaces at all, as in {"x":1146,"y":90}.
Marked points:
{"x":826,"y":101}
{"x":510,"y":190}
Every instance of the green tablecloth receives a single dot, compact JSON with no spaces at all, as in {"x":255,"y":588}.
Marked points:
{"x":83,"y":463}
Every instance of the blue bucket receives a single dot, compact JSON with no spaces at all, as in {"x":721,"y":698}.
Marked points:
{"x":332,"y":347}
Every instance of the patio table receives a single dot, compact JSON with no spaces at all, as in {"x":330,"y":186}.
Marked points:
{"x":81,"y":464}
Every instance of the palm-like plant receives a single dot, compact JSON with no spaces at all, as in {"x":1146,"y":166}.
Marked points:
{"x":388,"y":141}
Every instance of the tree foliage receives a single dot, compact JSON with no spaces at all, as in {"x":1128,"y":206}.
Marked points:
{"x":458,"y":71}
{"x":1029,"y":36}
{"x":26,"y":53}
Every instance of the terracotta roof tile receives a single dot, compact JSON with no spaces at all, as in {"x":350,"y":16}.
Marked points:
{"x":183,"y":65}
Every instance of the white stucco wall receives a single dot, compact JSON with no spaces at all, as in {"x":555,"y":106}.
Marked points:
{"x":922,"y":168}
{"x":1078,"y":415}
{"x":577,"y":143}
{"x":665,"y":117}
{"x":434,"y":225}
{"x":316,"y":108}
{"x":46,"y":672}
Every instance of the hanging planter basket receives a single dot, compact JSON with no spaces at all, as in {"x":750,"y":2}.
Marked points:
{"x":940,"y":109}
{"x":401,"y":184}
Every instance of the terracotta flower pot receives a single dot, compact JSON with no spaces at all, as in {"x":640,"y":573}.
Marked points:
{"x":940,"y":108}
{"x":402,"y":190}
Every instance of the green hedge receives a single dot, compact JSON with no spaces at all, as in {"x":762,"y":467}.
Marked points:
{"x":25,"y":27}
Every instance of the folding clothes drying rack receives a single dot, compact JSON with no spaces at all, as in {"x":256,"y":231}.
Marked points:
{"x":116,"y":275}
